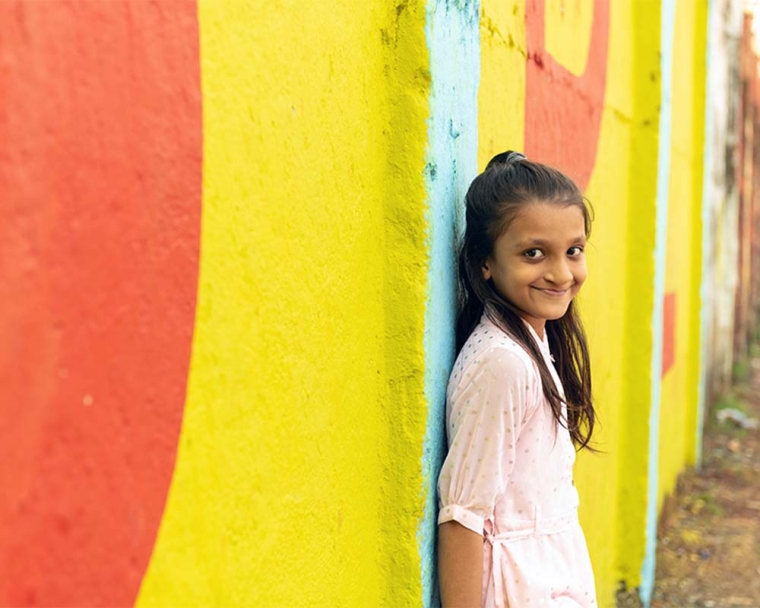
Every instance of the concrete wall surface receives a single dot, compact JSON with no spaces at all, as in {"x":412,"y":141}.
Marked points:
{"x":228,"y":275}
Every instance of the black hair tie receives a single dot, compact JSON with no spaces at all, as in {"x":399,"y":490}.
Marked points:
{"x":506,"y":158}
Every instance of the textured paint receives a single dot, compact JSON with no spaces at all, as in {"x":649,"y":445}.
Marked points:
{"x":568,"y":105}
{"x":668,"y":333}
{"x":501,"y":93}
{"x":453,"y":40}
{"x":622,"y":192}
{"x":633,"y":170}
{"x":667,"y":26}
{"x":298,"y":476}
{"x":334,"y":169}
{"x":679,"y":394}
{"x":584,"y":126}
{"x":622,"y":188}
{"x":100,"y":189}
{"x":707,"y":229}
{"x":567,"y":27}
{"x":698,"y":227}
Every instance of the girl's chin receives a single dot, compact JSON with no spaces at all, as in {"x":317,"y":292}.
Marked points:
{"x":557,"y":313}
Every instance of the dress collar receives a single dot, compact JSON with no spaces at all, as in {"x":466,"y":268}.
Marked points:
{"x":543,"y":344}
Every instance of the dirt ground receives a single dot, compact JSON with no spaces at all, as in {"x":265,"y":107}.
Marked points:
{"x":708,"y":548}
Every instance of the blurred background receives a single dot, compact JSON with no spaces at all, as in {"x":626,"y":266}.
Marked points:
{"x":227,"y":270}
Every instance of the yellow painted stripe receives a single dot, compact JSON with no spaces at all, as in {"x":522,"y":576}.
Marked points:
{"x":678,"y":421}
{"x":299,"y":467}
{"x":501,"y":96}
{"x":567,"y":32}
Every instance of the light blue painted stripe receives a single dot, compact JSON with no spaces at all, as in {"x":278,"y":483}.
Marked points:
{"x":453,"y":38}
{"x":707,"y":246}
{"x":667,"y":33}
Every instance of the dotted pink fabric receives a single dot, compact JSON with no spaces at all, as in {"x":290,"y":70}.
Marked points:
{"x":509,"y":476}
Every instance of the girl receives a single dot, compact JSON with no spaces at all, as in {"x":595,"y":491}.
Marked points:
{"x":519,"y":396}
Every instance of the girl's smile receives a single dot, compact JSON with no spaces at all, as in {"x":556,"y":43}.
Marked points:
{"x":552,"y":292}
{"x":538,"y":263}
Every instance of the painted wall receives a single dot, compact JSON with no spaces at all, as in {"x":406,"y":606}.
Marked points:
{"x":100,"y":192}
{"x":303,"y":426}
{"x":682,"y":255}
{"x":453,"y":43}
{"x":228,"y":271}
{"x":577,"y":110}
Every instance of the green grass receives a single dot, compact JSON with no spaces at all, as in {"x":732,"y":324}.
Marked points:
{"x":730,"y":400}
{"x":709,"y":504}
{"x":727,"y":428}
{"x":742,"y":370}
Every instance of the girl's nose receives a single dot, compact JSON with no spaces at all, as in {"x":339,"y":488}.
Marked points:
{"x":559,"y":273}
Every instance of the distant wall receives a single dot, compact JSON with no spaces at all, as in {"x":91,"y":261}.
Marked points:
{"x":747,"y":305}
{"x":721,"y":193}
{"x":228,"y":278}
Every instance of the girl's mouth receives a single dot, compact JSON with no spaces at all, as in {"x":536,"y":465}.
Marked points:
{"x":553,"y":292}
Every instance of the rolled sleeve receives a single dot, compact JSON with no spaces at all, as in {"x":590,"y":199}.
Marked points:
{"x":486,"y":411}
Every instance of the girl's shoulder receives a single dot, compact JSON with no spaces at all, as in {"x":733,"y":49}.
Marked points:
{"x":490,"y":349}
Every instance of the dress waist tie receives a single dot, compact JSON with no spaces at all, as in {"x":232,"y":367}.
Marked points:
{"x":515,"y":529}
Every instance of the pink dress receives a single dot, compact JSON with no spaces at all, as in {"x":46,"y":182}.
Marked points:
{"x":509,"y":476}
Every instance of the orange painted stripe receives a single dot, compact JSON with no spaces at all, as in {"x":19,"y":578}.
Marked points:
{"x":571,"y":104}
{"x":100,"y":187}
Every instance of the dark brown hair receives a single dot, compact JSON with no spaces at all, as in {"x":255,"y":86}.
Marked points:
{"x":509,"y":182}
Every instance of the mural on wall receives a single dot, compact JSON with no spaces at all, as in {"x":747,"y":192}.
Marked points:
{"x":564,"y":115}
{"x":157,"y":450}
{"x":100,"y":186}
{"x":305,"y":412}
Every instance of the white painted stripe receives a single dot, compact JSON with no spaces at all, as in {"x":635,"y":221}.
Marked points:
{"x":667,"y":33}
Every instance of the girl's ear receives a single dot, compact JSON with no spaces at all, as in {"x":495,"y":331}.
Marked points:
{"x":486,"y":268}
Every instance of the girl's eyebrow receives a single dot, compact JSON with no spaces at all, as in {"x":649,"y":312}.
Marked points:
{"x":543,"y":242}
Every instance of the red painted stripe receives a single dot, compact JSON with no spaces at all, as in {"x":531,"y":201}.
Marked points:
{"x":100,"y":190}
{"x":563,"y":112}
{"x":668,"y":332}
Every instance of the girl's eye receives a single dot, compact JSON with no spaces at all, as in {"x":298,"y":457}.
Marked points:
{"x":575,"y":252}
{"x":533,"y":254}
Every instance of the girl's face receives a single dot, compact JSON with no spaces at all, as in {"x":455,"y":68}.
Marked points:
{"x":539,"y":263}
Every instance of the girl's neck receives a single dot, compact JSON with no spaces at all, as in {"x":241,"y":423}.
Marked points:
{"x":538,"y":325}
